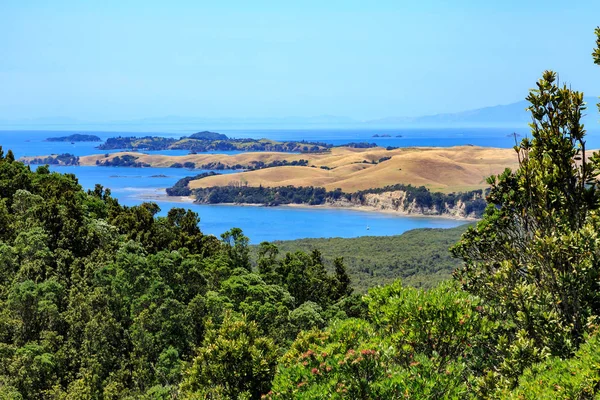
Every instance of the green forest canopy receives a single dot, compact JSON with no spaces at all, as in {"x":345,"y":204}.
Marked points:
{"x":419,"y":257}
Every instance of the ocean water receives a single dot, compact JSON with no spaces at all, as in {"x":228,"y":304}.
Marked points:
{"x":132,"y":186}
{"x":129,"y":183}
{"x":135,"y":185}
{"x":33,"y":143}
{"x":447,"y":137}
{"x":286,"y":223}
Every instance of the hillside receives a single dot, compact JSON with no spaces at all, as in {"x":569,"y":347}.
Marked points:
{"x":209,"y":141}
{"x":460,"y":168}
{"x":440,"y":169}
{"x":420,"y":257}
{"x":452,"y":169}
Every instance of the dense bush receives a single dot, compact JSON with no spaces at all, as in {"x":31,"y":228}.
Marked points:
{"x":180,"y":188}
{"x":413,"y":344}
{"x":262,"y":195}
{"x":60,"y":159}
{"x":77,"y":137}
{"x":98,"y":300}
{"x":419,"y":257}
{"x":210,"y":141}
{"x":126,"y":160}
{"x":277,"y":163}
{"x":359,"y":145}
{"x":436,"y":203}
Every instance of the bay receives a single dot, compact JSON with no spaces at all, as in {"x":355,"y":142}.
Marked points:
{"x":132,"y":186}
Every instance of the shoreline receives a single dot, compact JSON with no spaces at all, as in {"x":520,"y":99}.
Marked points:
{"x":368,"y":209}
{"x":164,"y":197}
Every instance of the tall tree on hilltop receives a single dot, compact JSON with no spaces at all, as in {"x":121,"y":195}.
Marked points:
{"x":596,"y":53}
{"x":536,"y":253}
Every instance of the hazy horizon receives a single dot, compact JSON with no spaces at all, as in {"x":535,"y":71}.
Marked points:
{"x":108,"y":61}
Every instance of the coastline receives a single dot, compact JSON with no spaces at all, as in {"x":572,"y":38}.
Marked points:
{"x":158,"y":196}
{"x":190,"y":199}
{"x":381,"y":211}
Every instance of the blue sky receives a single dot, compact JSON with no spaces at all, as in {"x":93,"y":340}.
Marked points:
{"x":107,"y":60}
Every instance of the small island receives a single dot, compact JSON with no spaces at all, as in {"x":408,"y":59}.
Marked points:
{"x":201,"y":142}
{"x":381,"y":136}
{"x":207,"y":135}
{"x":75,"y":138}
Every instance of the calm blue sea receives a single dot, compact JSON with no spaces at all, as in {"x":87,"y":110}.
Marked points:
{"x":32,"y":143}
{"x":135,"y":185}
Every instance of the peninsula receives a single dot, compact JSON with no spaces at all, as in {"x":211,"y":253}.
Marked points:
{"x":417,"y":180}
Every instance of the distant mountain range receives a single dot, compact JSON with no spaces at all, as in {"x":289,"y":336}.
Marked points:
{"x":510,"y":115}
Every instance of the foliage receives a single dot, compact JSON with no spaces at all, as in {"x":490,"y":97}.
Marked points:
{"x":262,"y":195}
{"x":254,"y":165}
{"x":211,"y":141}
{"x":98,"y":300}
{"x":414,"y":344}
{"x":419,"y":257}
{"x":546,"y":210}
{"x":59,"y":159}
{"x":206,"y":135}
{"x":424,"y":200}
{"x":596,"y":53}
{"x":77,"y":137}
{"x":234,"y":362}
{"x":126,"y":160}
{"x":180,"y":188}
{"x":359,"y":145}
{"x":556,"y":378}
{"x":535,"y":255}
{"x":444,"y":323}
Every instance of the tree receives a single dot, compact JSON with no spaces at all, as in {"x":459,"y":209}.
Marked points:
{"x":342,"y":280}
{"x":557,"y":378}
{"x":267,"y":260}
{"x":535,"y":255}
{"x":595,"y":54}
{"x":233,"y":362}
{"x":237,"y":247}
{"x":386,"y":359}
